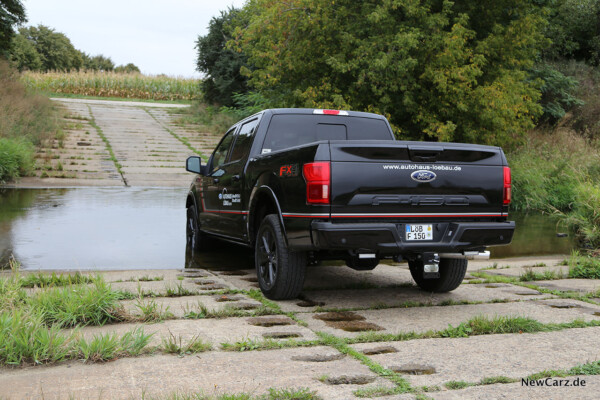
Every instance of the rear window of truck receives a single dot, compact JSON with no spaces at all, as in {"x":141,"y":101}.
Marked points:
{"x":289,"y":130}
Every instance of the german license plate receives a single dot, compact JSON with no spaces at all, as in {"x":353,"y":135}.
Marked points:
{"x":419,"y":232}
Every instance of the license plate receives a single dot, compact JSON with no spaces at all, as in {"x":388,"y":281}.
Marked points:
{"x":419,"y":232}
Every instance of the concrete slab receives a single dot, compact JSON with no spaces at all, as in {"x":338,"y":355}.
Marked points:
{"x":559,"y":270}
{"x":512,"y":355}
{"x":211,"y":330}
{"x":212,"y":373}
{"x":179,"y":306}
{"x":398,"y":297}
{"x":423,"y":319}
{"x":519,"y":391}
{"x":517,"y":262}
{"x":116,"y":103}
{"x":571,"y":285}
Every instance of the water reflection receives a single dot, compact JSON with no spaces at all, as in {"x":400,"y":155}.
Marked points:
{"x":535,"y":235}
{"x":93,"y":228}
{"x":221,"y":256}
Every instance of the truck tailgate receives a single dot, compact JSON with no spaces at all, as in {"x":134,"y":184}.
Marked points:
{"x":416,"y":180}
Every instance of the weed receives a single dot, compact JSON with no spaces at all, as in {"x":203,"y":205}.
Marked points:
{"x":531,"y":275}
{"x":585,"y":267}
{"x":44,"y":280}
{"x":497,"y":379}
{"x":268,"y":344}
{"x":453,"y":385}
{"x":178,"y":291}
{"x":150,"y":311}
{"x":110,"y":346}
{"x":175,"y":345}
{"x":77,"y":305}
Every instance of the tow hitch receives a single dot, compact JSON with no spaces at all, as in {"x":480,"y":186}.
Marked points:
{"x":431,"y":265}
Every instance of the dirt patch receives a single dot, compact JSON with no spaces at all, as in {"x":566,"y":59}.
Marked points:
{"x":216,"y":286}
{"x":559,"y":305}
{"x":319,"y":357}
{"x":250,"y":279}
{"x":339,"y":316}
{"x":234,"y":272}
{"x":223,"y":298}
{"x":310,"y":303}
{"x":350,"y":380}
{"x":536,"y":293}
{"x":245,"y":306}
{"x":204,"y":282}
{"x":380,"y":350}
{"x":281,"y":335}
{"x":270,"y":321}
{"x":413,"y":369}
{"x":354,"y":326}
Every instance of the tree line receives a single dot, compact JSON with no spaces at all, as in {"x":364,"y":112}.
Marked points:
{"x":41,"y":48}
{"x":484,"y":72}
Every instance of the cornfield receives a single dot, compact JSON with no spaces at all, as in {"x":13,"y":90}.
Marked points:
{"x":110,"y":84}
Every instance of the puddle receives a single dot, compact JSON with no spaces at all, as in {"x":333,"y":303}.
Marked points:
{"x":339,"y":316}
{"x":380,"y":350}
{"x":93,"y":228}
{"x":413,"y":369}
{"x":306,"y":302}
{"x":318,"y":357}
{"x":281,"y":335}
{"x":597,"y":314}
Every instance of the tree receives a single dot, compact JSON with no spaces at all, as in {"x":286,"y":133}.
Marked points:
{"x":439,"y":70}
{"x":574,"y":29}
{"x":220,"y":64}
{"x":98,"y":63}
{"x":127,"y":69}
{"x":12,"y":13}
{"x":23,"y":54}
{"x":55,"y":49}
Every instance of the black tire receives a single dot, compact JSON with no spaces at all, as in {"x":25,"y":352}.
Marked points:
{"x":195,"y":239}
{"x":280,"y":271}
{"x":452,"y":273}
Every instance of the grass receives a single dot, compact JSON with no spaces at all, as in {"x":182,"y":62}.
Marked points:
{"x":204,"y":118}
{"x":175,"y":345}
{"x":109,"y":148}
{"x":584,"y":267}
{"x":150,"y":311}
{"x":401,"y":384}
{"x":27,"y":121}
{"x":110,"y":84}
{"x":176,"y":136}
{"x":178,"y":291}
{"x":268,"y":344}
{"x":41,"y":279}
{"x":110,"y":98}
{"x":531,"y":275}
{"x":272,"y":394}
{"x":108,"y":347}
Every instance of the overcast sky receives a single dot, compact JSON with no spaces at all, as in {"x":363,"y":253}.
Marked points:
{"x":157,"y":36}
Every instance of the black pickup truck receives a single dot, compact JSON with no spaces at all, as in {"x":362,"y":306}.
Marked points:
{"x":304,"y":185}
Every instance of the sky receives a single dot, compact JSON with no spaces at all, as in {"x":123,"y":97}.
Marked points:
{"x":157,"y":36}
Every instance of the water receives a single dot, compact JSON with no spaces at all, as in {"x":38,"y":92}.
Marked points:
{"x":136,"y":228}
{"x":93,"y":228}
{"x":535,"y":235}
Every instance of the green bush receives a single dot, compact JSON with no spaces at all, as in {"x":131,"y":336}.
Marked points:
{"x":584,"y":267}
{"x":585,"y":216}
{"x":16,"y":158}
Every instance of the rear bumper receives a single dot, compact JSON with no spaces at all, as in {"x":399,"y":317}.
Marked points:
{"x":388,"y":238}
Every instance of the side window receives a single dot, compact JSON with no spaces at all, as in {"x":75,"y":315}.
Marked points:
{"x":243,"y":141}
{"x":220,"y":155}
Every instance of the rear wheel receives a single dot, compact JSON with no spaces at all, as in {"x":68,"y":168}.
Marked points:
{"x":452,"y":273}
{"x":196,"y":240}
{"x":280,"y":271}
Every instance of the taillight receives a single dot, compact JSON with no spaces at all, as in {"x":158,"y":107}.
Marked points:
{"x":507,"y":186}
{"x":318,"y":182}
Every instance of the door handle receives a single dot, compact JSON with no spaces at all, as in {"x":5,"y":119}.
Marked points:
{"x":215,"y":180}
{"x":236,"y":178}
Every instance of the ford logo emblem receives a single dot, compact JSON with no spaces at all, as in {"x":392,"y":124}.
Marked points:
{"x":423,"y":176}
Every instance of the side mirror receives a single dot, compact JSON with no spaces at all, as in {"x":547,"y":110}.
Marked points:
{"x":194,"y":164}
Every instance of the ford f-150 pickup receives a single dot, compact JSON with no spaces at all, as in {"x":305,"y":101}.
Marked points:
{"x":304,"y":185}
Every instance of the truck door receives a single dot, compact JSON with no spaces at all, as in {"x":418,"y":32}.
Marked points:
{"x":211,"y":186}
{"x":234,"y":211}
